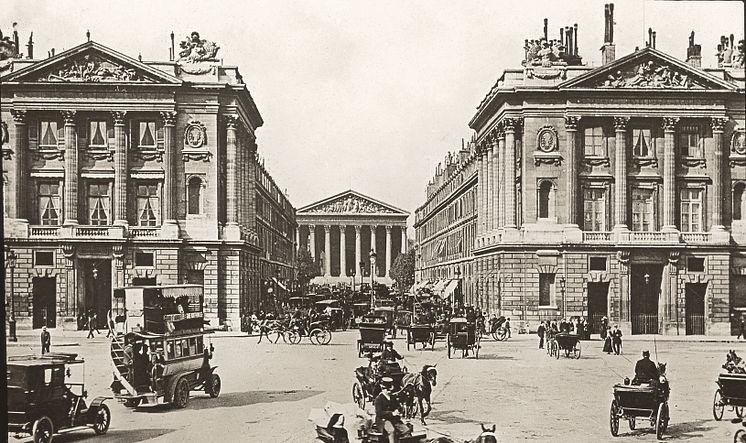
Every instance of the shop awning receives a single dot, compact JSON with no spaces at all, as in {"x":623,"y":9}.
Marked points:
{"x":440,"y":285}
{"x":449,"y":288}
{"x":279,"y":283}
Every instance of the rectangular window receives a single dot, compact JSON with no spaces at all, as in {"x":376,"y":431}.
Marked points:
{"x":179,"y":348}
{"x":597,"y":264}
{"x":690,"y":142}
{"x":48,"y":203}
{"x":695,"y":264}
{"x":97,"y":134}
{"x":146,"y":134}
{"x":594,"y":209}
{"x":642,"y":142}
{"x":99,"y":203}
{"x":595,"y":143}
{"x":691,"y":210}
{"x":144,"y":259}
{"x":643,"y":209}
{"x":49,"y":135}
{"x":546,"y":289}
{"x":148,"y":204}
{"x":43,"y":258}
{"x":170,"y":350}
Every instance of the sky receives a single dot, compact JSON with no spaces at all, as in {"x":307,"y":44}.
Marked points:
{"x":367,"y":95}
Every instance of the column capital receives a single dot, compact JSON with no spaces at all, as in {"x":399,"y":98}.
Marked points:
{"x":620,"y":124}
{"x":118,"y":117}
{"x":19,"y":117}
{"x":311,"y":227}
{"x":669,"y":123}
{"x":327,"y":228}
{"x":169,"y":118}
{"x":231,"y":121}
{"x":571,"y":122}
{"x":388,"y":228}
{"x":358,"y":228}
{"x":718,"y":124}
{"x":512,"y":124}
{"x":69,"y":117}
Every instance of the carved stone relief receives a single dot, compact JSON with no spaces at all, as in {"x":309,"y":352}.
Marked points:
{"x":650,"y":74}
{"x":352,"y":204}
{"x":92,"y":68}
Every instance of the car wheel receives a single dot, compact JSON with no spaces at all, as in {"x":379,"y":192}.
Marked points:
{"x":43,"y":430}
{"x":181,"y":394}
{"x":102,"y":420}
{"x":215,"y":388}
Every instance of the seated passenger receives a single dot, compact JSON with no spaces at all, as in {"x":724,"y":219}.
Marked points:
{"x":645,"y":370}
{"x":389,"y":356}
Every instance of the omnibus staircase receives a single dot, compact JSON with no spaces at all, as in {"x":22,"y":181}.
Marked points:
{"x":121,"y":371}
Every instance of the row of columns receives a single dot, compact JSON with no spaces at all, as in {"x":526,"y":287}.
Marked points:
{"x":358,"y":246}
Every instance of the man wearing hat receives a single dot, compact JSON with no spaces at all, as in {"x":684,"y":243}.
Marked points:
{"x":388,"y":417}
{"x":616,"y":339}
{"x":645,"y":370}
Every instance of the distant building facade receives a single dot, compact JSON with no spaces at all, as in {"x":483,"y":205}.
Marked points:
{"x":121,"y":172}
{"x":613,"y":191}
{"x":340,"y":232}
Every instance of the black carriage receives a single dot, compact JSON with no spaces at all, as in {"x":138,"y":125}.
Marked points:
{"x":569,"y":344}
{"x":731,"y":392}
{"x":318,"y":333}
{"x":424,"y":334}
{"x":47,"y":394}
{"x":368,"y":382}
{"x":462,"y":335}
{"x":498,"y":330}
{"x":647,"y":401}
{"x":372,"y":334}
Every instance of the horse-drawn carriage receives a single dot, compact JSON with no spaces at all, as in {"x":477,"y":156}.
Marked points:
{"x":564,"y":342}
{"x":731,"y":392}
{"x":462,"y":335}
{"x":372,"y":333}
{"x":424,"y":334}
{"x":318,"y":333}
{"x":647,"y":401}
{"x":368,"y":384}
{"x":498,"y":330}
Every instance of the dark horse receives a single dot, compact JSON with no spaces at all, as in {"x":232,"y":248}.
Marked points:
{"x":421,"y":386}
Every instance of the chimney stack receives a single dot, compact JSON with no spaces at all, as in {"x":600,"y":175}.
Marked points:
{"x":172,"y":55}
{"x":30,"y":47}
{"x":693,"y":53}
{"x":608,"y":50}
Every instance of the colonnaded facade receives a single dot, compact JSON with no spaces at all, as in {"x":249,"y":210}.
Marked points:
{"x":615,"y":191}
{"x":340,"y":232}
{"x":122,"y":172}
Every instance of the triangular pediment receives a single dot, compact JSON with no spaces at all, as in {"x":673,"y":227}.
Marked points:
{"x":90,"y":63}
{"x":350,"y":202}
{"x":647,"y":68}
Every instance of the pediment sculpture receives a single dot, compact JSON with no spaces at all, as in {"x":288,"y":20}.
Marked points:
{"x":650,"y":74}
{"x":352,"y":204}
{"x":92,"y":68}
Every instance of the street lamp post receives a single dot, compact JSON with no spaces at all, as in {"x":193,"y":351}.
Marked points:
{"x":562,"y":292}
{"x":458,"y":284}
{"x":352,"y":276}
{"x":362,"y":274}
{"x":372,"y":256}
{"x":10,"y":261}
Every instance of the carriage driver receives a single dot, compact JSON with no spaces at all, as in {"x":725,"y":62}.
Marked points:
{"x":389,"y":356}
{"x":645,"y":370}
{"x":388,"y":417}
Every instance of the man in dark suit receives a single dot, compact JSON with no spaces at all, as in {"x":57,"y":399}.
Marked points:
{"x":645,"y":370}
{"x":388,"y":417}
{"x":46,"y":340}
{"x":616,"y":339}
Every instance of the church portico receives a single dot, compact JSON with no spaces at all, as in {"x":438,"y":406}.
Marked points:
{"x":341,"y":231}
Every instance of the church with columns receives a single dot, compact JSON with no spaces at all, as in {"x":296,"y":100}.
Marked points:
{"x":616,"y":190}
{"x":341,"y":231}
{"x":118,"y":172}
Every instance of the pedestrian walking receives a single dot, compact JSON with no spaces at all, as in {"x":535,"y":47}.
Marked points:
{"x":91,"y":326}
{"x":616,"y":339}
{"x":604,"y":327}
{"x":541,"y":331}
{"x":46,"y":340}
{"x":741,"y":328}
{"x":507,"y":327}
{"x":606,"y":334}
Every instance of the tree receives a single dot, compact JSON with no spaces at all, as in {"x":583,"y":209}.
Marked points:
{"x":402,"y":270}
{"x":307,"y":268}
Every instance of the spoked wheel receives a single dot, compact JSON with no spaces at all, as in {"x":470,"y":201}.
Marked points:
{"x":661,"y":421}
{"x":740,"y":436}
{"x":718,"y":406}
{"x":739,"y":411}
{"x":358,"y":396}
{"x":556,"y":350}
{"x":181,"y":394}
{"x":292,"y":337}
{"x":102,"y":420}
{"x":43,"y":430}
{"x":576,"y":350}
{"x":215,"y":388}
{"x":502,"y":334}
{"x":325,"y":337}
{"x":614,"y":418}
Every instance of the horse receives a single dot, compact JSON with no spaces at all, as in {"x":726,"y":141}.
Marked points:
{"x":421,"y":386}
{"x":487,"y":436}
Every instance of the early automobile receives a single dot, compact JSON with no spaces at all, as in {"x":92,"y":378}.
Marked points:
{"x":161,"y":355}
{"x":47,"y":394}
{"x":648,"y":401}
{"x":731,"y":392}
{"x":462,"y":335}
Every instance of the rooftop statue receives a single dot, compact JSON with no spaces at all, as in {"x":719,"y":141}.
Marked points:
{"x":194,"y":49}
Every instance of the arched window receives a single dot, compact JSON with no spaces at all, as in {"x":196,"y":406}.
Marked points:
{"x":546,"y":199}
{"x":739,"y":201}
{"x":194,"y":196}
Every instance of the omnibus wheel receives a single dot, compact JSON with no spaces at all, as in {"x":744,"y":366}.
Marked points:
{"x":740,"y":436}
{"x":43,"y":430}
{"x":215,"y":388}
{"x":614,"y":418}
{"x":181,"y":394}
{"x":102,"y":420}
{"x":718,"y":406}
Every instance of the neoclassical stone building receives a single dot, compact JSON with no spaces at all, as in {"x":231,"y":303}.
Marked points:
{"x":121,"y":172}
{"x":341,"y":230}
{"x":615,"y":190}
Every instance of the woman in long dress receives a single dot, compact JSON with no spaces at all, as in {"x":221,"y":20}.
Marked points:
{"x":607,"y":340}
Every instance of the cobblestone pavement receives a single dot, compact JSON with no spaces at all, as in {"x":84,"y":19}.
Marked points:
{"x":269,"y":389}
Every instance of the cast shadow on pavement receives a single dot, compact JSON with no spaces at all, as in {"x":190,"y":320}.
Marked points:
{"x":113,"y":436}
{"x":494,"y":357}
{"x":239,"y":399}
{"x":676,"y":431}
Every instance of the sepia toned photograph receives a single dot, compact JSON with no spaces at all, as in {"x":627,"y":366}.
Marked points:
{"x":356,"y":221}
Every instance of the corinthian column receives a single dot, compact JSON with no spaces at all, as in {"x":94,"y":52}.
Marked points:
{"x":717,"y":171}
{"x":403,"y":239}
{"x":327,"y":251}
{"x":358,"y":248}
{"x":169,"y":168}
{"x":312,"y":241}
{"x":490,"y":183}
{"x":669,"y":173}
{"x":511,"y":125}
{"x":71,"y":169}
{"x":232,"y":232}
{"x":481,"y":186}
{"x":388,"y":250}
{"x":342,"y":251}
{"x":120,"y":169}
{"x":503,"y":191}
{"x":620,"y":173}
{"x":571,"y":192}
{"x":18,"y":209}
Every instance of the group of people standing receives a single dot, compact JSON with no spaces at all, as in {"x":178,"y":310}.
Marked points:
{"x":612,"y":336}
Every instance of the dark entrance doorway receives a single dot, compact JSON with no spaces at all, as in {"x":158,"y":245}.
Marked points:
{"x":645,"y":288}
{"x":97,"y":287}
{"x":44,"y":292}
{"x":598,"y":305}
{"x":144,"y":281}
{"x":695,"y":308}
